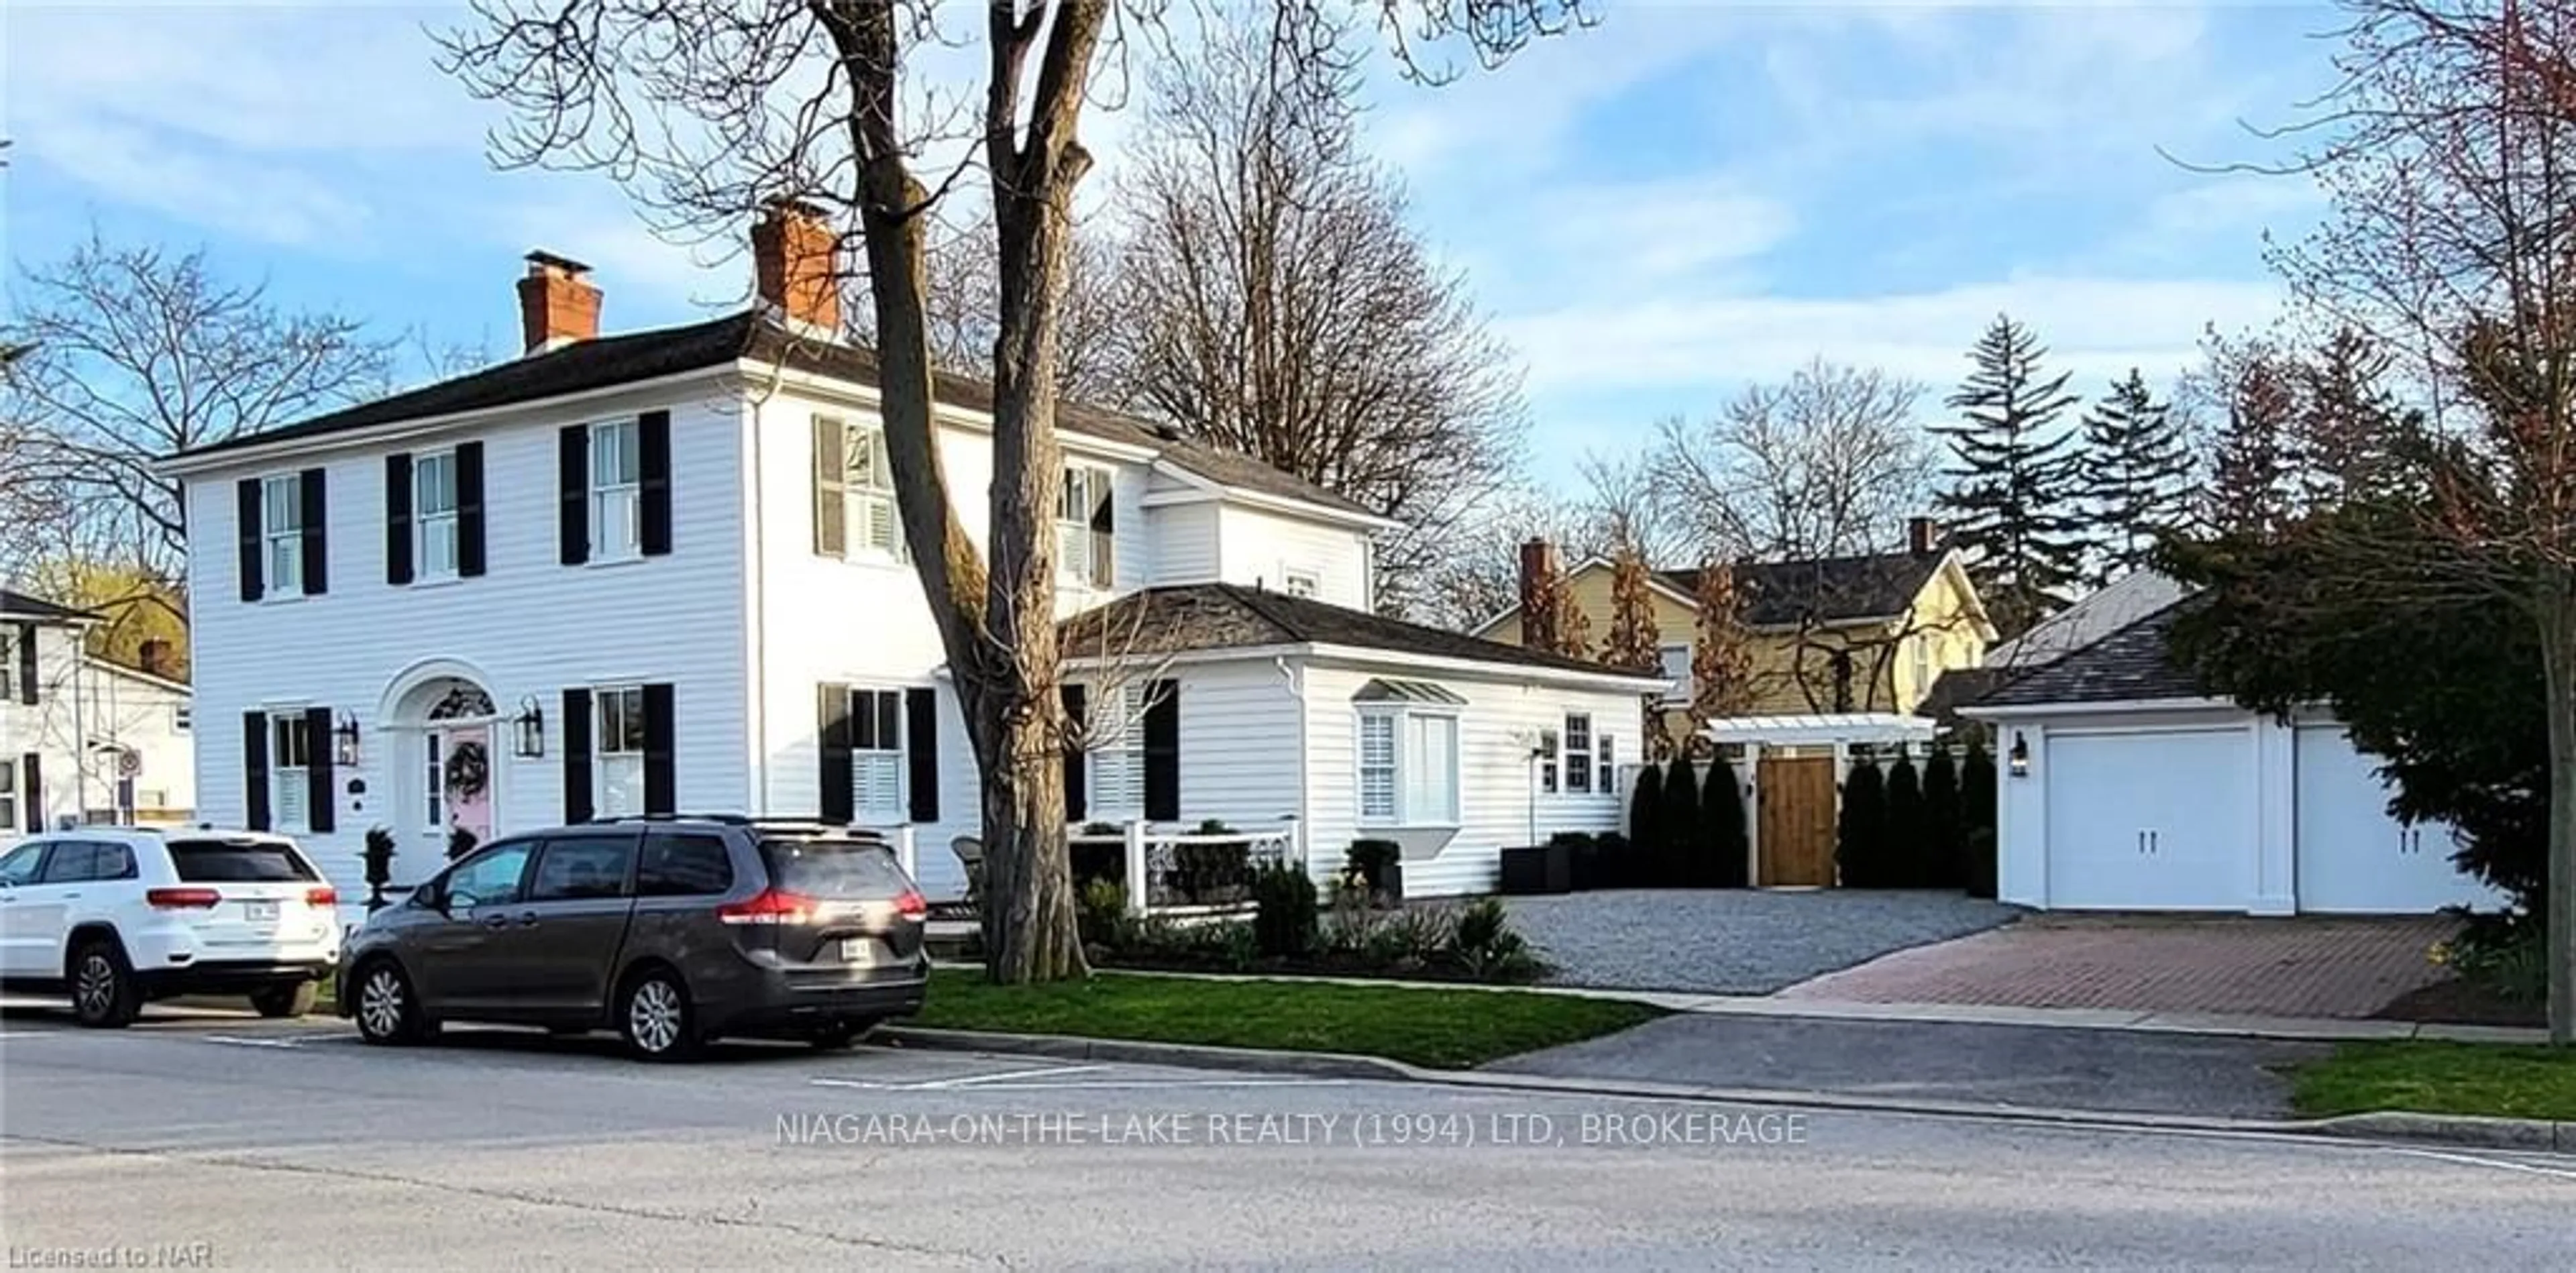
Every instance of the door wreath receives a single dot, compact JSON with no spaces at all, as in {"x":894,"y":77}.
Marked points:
{"x":469,"y":770}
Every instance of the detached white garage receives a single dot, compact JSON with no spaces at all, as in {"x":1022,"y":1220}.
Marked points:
{"x":2125,"y":788}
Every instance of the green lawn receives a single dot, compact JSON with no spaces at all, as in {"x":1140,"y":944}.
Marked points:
{"x":2441,"y":1078}
{"x":1445,"y":1029}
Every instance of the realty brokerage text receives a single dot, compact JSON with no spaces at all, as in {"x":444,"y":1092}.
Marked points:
{"x":1694,"y":1129}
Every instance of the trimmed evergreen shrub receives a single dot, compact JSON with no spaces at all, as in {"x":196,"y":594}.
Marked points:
{"x":1645,"y":832}
{"x":1977,"y":816}
{"x":1679,"y":827}
{"x":1859,"y":831}
{"x":1943,"y":832}
{"x":1722,"y":813}
{"x":1902,"y":845}
{"x":1285,"y":918}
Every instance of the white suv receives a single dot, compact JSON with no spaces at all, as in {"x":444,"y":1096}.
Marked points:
{"x":116,"y":916}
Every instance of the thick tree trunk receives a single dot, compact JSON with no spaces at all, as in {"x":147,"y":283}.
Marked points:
{"x":2558,"y":659}
{"x":1028,"y":920}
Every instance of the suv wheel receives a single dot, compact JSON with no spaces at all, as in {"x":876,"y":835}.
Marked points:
{"x":292,"y":999}
{"x":104,"y":995}
{"x":655,"y":1016}
{"x":387,"y":1011}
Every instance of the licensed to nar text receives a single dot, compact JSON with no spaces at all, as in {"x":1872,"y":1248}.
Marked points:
{"x":140,"y":1255}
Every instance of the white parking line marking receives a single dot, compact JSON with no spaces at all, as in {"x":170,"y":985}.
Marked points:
{"x":2503,"y":1164}
{"x":239,"y":1041}
{"x":1119,"y":1084}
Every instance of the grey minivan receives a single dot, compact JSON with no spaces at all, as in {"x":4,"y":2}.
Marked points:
{"x":670,"y":930}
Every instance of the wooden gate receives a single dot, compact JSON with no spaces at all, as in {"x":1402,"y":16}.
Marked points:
{"x":1796,"y":807}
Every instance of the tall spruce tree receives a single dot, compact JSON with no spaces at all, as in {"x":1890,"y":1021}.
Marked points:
{"x":1679,"y":833}
{"x":1977,"y":815}
{"x":2137,"y":476}
{"x":1861,"y":827}
{"x":1721,"y":807}
{"x":2254,"y":478}
{"x":1944,"y":827}
{"x":2013,"y":486}
{"x":1904,"y":842}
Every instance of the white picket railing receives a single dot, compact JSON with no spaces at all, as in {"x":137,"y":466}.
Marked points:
{"x":1172,"y":871}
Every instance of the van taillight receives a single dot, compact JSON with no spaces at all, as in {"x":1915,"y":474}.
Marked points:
{"x":321,"y":895}
{"x":771,"y":906}
{"x":912,"y":905}
{"x":172,"y":899}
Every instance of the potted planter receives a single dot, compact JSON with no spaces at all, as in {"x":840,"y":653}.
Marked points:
{"x":1380,"y":865}
{"x":1538,"y":868}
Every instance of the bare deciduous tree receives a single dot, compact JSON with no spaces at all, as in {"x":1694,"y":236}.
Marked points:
{"x":1828,"y":463}
{"x":709,"y":110}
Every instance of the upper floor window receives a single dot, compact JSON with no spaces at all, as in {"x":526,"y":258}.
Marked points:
{"x":1676,"y":667}
{"x":854,"y":502}
{"x":617,"y":757}
{"x":289,"y":755}
{"x":281,"y":520}
{"x":1085,"y":529}
{"x":8,"y":677}
{"x":1301,"y":583}
{"x":1577,"y":754}
{"x":1923,"y":662}
{"x":616,"y":491}
{"x":433,"y":501}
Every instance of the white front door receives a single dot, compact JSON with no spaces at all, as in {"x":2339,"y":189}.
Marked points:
{"x":2151,"y":821}
{"x":2354,"y":857}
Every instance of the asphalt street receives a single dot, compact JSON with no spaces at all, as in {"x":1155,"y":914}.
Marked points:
{"x":225,"y":1142}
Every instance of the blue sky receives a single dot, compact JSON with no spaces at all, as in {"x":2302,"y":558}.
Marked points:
{"x":1653,"y":211}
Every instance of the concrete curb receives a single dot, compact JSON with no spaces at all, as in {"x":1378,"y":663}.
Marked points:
{"x":2531,"y":1135}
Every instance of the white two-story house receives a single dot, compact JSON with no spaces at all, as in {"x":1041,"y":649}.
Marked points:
{"x":82,"y":739}
{"x":663,"y":572}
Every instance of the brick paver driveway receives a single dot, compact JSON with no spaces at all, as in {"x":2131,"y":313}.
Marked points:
{"x":2311,"y":966}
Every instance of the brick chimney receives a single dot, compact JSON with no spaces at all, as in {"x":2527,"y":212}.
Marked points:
{"x":557,"y":304}
{"x":795,"y":257}
{"x":1922,"y":536}
{"x":154,"y":656}
{"x":1538,"y":608}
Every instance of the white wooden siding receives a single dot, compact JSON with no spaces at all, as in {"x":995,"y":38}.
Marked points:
{"x":115,"y":707}
{"x":1184,"y":543}
{"x":1261,"y":547}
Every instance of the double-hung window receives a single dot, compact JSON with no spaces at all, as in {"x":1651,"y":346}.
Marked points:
{"x":854,"y":506}
{"x":1408,"y":768}
{"x":876,"y":755}
{"x":1923,"y":662}
{"x":281,"y":520}
{"x":1577,"y":755}
{"x":1085,"y":528}
{"x":8,"y":795}
{"x":617,"y":755}
{"x":1675,"y":660}
{"x":616,"y":491}
{"x":433,"y":526}
{"x":1547,"y":754}
{"x":289,"y":754}
{"x":1117,"y":783}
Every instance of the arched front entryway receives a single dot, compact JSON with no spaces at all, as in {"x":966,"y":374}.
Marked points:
{"x":447,"y":758}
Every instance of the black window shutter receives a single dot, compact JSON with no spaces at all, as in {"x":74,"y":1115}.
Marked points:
{"x":572,"y":489}
{"x":921,"y":751}
{"x":1163,"y":751}
{"x":653,"y":429}
{"x":255,"y":771}
{"x":832,"y":732}
{"x":31,"y":788}
{"x":831,"y":474}
{"x":398,"y":518}
{"x":1077,"y":803}
{"x":659,"y":770}
{"x":28,"y":691}
{"x":576,"y":760}
{"x":317,"y":543}
{"x":318,"y":812}
{"x":247,"y":531}
{"x":469,"y":509}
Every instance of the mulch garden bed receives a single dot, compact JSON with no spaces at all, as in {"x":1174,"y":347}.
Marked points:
{"x":2461,"y":1002}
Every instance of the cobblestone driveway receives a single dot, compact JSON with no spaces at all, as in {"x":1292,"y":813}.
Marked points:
{"x":1734,"y":941}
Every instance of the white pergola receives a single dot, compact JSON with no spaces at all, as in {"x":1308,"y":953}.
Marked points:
{"x":1839,"y":730}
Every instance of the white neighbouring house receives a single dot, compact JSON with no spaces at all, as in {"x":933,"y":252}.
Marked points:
{"x":661,"y":572}
{"x":2124,"y":786}
{"x":83,"y":740}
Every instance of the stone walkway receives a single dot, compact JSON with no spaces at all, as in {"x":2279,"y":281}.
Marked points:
{"x":2310,"y":966}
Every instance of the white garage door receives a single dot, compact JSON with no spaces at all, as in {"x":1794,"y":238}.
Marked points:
{"x":2354,"y":858}
{"x":2151,"y":821}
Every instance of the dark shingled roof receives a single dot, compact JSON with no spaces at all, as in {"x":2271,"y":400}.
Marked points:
{"x":608,"y":361}
{"x":24,"y":606}
{"x":1225,"y":616}
{"x":2130,"y":665}
{"x":1824,"y":589}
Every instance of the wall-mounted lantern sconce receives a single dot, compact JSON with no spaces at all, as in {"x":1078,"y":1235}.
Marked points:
{"x":2020,"y":755}
{"x":344,"y":740}
{"x":528,"y":729}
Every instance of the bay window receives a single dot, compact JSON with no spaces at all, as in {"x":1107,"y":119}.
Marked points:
{"x":1408,"y":768}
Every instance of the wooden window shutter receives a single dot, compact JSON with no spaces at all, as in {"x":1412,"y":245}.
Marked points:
{"x":469,"y":509}
{"x":28,"y":690}
{"x":921,"y":751}
{"x":31,"y":788}
{"x":1163,"y":751}
{"x":398,"y":518}
{"x":249,"y":509}
{"x":1104,"y":530}
{"x":653,"y":435}
{"x":255,"y":770}
{"x":660,"y":765}
{"x":318,"y":783}
{"x":831,"y":477}
{"x":317,"y":545}
{"x":1075,"y":768}
{"x":572,"y":498}
{"x":832,"y":734}
{"x":576,"y":758}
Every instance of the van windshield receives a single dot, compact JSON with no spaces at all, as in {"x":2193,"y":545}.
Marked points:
{"x":844,"y":869}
